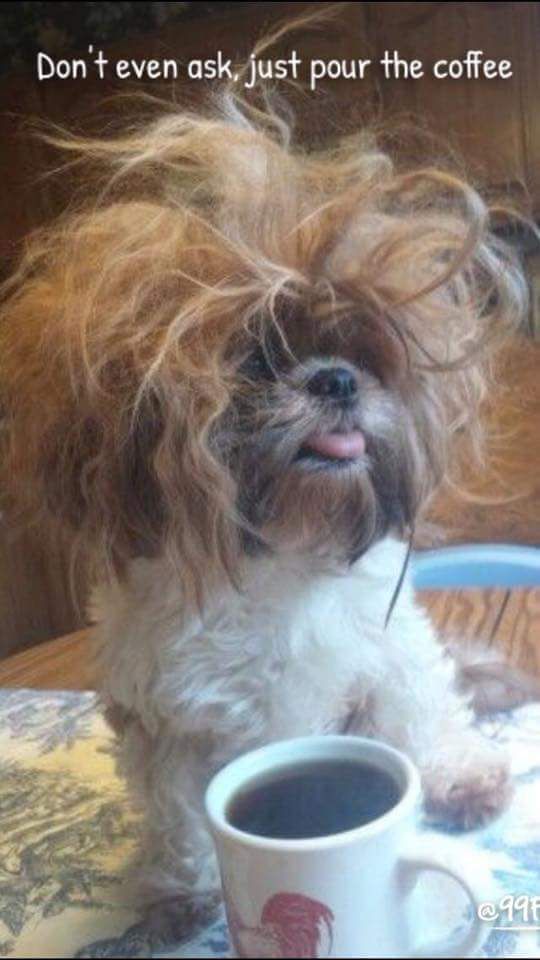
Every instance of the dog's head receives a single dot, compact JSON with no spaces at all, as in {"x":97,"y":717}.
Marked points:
{"x":244,"y":346}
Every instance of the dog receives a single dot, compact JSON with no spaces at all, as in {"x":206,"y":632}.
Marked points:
{"x":234,"y":378}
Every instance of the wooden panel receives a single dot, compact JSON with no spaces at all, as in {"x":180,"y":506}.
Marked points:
{"x":519,"y":630}
{"x":484,"y":118}
{"x":64,"y":664}
{"x":528,"y":17}
{"x":495,"y":122}
{"x":21,"y":158}
{"x":35,"y":597}
{"x":466,"y":614}
{"x":506,"y":619}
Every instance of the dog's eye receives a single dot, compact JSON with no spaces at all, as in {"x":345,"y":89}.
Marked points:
{"x":258,"y":366}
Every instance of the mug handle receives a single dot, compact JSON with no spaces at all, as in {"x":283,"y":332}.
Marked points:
{"x":478,"y":885}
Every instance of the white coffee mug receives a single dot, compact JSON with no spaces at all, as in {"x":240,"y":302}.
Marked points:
{"x":343,"y":895}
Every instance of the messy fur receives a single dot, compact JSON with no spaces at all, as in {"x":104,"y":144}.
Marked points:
{"x":134,"y":318}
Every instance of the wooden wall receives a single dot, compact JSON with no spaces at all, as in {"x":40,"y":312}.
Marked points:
{"x":495,"y":123}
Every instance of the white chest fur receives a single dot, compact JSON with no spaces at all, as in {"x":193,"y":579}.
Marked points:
{"x":278,"y":658}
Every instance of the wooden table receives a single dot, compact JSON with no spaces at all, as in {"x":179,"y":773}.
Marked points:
{"x":509,"y":619}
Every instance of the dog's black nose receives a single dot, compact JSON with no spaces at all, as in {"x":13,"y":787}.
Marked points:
{"x":337,"y":383}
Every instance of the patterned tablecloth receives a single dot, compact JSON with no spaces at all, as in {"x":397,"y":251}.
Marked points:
{"x":66,"y":832}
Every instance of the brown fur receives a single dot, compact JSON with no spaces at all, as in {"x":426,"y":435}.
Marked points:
{"x":126,"y":333}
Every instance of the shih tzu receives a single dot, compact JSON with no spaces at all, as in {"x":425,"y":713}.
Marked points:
{"x":235,"y":378}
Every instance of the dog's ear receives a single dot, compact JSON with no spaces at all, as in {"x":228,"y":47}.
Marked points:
{"x":107,"y":412}
{"x":98,"y":475}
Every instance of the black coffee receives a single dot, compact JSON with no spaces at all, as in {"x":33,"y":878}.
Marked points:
{"x":314,"y":799}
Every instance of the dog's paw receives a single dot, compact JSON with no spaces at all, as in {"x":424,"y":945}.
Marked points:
{"x":467,"y":783}
{"x":172,"y":919}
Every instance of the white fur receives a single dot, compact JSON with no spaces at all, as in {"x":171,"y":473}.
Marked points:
{"x":294,"y":653}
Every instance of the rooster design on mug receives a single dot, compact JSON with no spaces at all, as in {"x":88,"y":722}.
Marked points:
{"x":292,"y":925}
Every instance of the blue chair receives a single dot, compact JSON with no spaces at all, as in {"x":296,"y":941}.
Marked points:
{"x":478,"y":565}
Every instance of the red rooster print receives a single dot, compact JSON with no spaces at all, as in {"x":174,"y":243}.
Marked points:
{"x":291,"y":926}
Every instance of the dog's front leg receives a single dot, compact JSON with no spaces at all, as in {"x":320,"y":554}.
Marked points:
{"x":415,"y":706}
{"x":175,"y":877}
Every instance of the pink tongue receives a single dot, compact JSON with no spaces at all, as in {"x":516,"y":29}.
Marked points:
{"x":339,"y":446}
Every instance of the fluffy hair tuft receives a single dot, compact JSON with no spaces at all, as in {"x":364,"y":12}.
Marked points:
{"x":124,"y":331}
